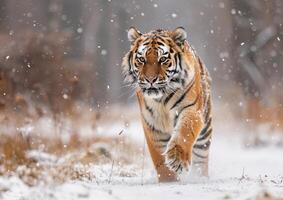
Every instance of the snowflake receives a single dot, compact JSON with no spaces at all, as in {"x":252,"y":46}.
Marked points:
{"x":174,"y":15}
{"x":80,"y":30}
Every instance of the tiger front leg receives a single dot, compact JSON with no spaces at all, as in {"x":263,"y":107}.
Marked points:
{"x":178,"y":154}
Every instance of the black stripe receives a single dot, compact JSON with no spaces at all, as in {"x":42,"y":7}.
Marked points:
{"x":152,"y":127}
{"x":183,"y":82}
{"x":180,"y":64}
{"x":133,"y":75}
{"x":175,"y":80}
{"x":187,"y":106}
{"x":167,"y":99}
{"x":131,"y":70}
{"x":172,"y":162}
{"x":172,"y":71}
{"x":205,"y":136}
{"x":145,"y":41}
{"x":129,"y":59}
{"x":160,"y":145}
{"x":186,"y":73}
{"x":204,"y":130}
{"x":164,"y":140}
{"x":176,"y":119}
{"x":148,"y":108}
{"x":160,"y":48}
{"x":198,"y":155}
{"x":183,"y":96}
{"x":136,"y":69}
{"x":160,"y":38}
{"x":178,"y":168}
{"x":178,"y":37}
{"x":157,"y":100}
{"x":166,"y":62}
{"x":204,"y":146}
{"x":208,"y":109}
{"x":176,"y":60}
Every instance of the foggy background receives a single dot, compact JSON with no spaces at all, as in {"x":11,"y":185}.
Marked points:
{"x":62,"y":58}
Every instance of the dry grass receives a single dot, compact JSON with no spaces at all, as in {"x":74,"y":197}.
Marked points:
{"x":50,"y":160}
{"x":267,"y":196}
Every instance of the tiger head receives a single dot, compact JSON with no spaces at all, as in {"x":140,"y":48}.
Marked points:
{"x":156,"y":62}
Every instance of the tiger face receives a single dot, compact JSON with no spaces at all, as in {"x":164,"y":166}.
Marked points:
{"x":155,"y":62}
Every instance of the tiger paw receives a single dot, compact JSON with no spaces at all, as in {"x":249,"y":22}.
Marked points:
{"x":176,"y":157}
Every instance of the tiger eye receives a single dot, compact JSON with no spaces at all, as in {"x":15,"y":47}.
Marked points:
{"x":141,"y":59}
{"x":162,"y":59}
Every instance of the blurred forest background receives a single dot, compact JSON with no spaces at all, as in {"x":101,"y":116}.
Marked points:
{"x":60,"y":60}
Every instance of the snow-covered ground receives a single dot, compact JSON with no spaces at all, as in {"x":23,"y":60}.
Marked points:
{"x":236,"y":172}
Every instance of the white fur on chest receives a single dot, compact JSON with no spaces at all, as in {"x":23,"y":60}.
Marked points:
{"x":160,"y":117}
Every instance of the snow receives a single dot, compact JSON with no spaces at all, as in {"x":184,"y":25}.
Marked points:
{"x":174,"y":15}
{"x":235,"y":173}
{"x":80,"y":30}
{"x":233,"y":11}
{"x":103,"y":52}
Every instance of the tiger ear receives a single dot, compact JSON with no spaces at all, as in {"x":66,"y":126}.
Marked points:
{"x":179,"y":35}
{"x":133,"y":34}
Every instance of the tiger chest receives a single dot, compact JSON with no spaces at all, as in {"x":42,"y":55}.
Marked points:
{"x":160,"y":120}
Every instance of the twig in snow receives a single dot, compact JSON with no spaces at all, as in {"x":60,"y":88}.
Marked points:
{"x":110,"y":175}
{"x":243,"y":177}
{"x":120,"y":133}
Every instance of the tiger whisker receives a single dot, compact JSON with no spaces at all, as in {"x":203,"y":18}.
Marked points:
{"x":128,"y":85}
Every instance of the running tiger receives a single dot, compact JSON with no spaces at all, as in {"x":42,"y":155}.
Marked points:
{"x":173,"y":89}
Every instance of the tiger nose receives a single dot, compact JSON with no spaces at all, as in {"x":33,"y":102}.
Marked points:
{"x":151,"y":79}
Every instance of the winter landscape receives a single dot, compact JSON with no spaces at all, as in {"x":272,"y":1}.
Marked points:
{"x":116,"y":166}
{"x":70,"y":128}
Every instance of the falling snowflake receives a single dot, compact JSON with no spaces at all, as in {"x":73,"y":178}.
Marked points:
{"x":174,"y":15}
{"x":65,"y":96}
{"x":80,"y":30}
{"x":103,"y":52}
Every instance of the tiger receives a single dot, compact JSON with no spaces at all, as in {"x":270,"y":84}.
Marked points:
{"x":172,"y":86}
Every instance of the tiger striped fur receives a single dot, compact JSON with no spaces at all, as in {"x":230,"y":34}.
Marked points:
{"x":173,"y":90}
